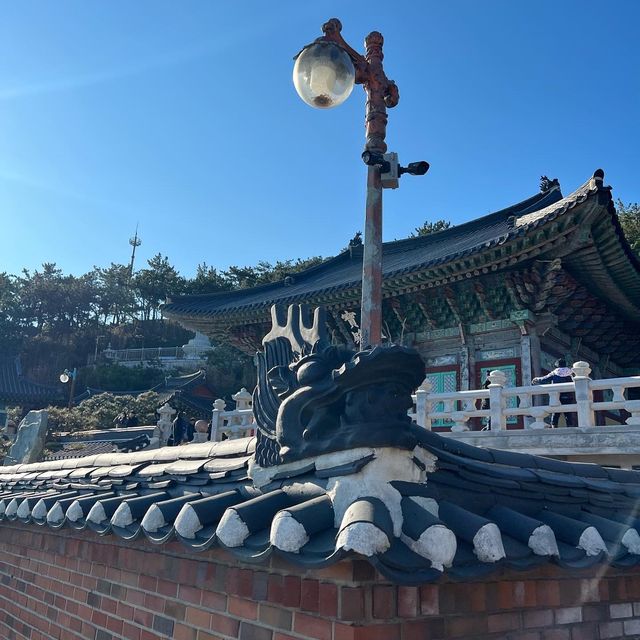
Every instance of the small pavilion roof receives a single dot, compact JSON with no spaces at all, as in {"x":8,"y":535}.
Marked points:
{"x":15,"y":388}
{"x":176,"y":389}
{"x":170,"y":385}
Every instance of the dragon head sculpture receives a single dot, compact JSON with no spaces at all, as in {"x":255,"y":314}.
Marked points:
{"x":313,"y":397}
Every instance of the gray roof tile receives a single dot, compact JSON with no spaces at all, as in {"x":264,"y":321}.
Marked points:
{"x":187,"y":491}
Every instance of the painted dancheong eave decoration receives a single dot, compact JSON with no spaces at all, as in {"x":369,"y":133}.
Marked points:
{"x":324,"y":480}
{"x":564,"y":260}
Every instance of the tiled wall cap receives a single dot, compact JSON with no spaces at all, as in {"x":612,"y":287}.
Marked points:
{"x":96,"y":514}
{"x":287,"y":534}
{"x":363,"y":538}
{"x":487,"y":544}
{"x":232,"y":531}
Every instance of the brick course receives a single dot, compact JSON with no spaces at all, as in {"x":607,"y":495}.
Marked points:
{"x":70,"y":585}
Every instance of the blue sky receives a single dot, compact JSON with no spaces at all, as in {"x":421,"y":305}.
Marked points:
{"x":181,"y":116}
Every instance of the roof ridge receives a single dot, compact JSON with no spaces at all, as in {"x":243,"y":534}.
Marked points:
{"x":538,"y":200}
{"x":533,"y":203}
{"x":340,"y":257}
{"x":591,"y":186}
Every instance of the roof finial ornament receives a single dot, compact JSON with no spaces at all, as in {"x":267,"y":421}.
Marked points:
{"x":546,"y":184}
{"x":354,"y":244}
{"x":356,"y":241}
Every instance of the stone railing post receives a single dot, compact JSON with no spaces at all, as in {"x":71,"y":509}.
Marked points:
{"x":200,"y":434}
{"x":217,"y":420}
{"x":165,"y":424}
{"x":422,"y":404}
{"x":497,"y":381}
{"x":633,"y":407}
{"x":242,"y":399}
{"x":584,"y":394}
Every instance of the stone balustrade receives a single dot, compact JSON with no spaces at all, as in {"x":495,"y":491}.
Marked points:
{"x":236,"y":423}
{"x":526,"y":411}
{"x":533,"y":403}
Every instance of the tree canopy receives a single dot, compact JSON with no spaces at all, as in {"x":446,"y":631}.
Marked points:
{"x":429,"y":227}
{"x":629,"y":216}
{"x":56,"y":320}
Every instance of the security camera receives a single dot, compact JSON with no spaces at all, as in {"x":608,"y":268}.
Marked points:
{"x":415,"y":168}
{"x":372,"y":159}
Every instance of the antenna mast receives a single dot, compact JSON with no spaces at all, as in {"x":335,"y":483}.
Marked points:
{"x":134,"y":242}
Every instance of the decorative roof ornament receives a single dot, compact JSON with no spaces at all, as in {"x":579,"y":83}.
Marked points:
{"x":355,"y":246}
{"x":546,"y":184}
{"x":313,"y":397}
{"x":356,"y":241}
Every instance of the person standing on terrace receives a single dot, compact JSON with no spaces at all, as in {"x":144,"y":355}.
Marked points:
{"x":562,"y":373}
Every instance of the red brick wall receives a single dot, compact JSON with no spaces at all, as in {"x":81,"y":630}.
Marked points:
{"x":69,"y":585}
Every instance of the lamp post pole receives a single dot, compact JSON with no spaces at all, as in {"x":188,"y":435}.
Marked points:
{"x":95,"y":353}
{"x":65,"y":376}
{"x":72,"y":388}
{"x":323,"y":75}
{"x":381,"y":93}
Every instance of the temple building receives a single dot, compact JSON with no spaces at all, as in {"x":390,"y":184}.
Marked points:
{"x":342,"y":519}
{"x":549,"y":277}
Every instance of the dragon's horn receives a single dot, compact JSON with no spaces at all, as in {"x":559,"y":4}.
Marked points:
{"x":298,"y":326}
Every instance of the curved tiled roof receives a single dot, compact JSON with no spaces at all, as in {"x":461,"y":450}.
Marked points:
{"x":175,"y":388}
{"x":345,"y":270}
{"x":402,"y":258}
{"x":16,"y":389}
{"x":171,"y":383}
{"x":459,"y":510}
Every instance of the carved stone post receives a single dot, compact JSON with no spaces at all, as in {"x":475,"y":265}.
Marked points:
{"x":200,"y":434}
{"x":460,"y":419}
{"x":242,"y":399}
{"x":219,"y":406}
{"x":463,"y":354}
{"x":539,"y":414}
{"x":165,"y":424}
{"x":422,"y":404}
{"x":498,"y":380}
{"x":584,"y":395}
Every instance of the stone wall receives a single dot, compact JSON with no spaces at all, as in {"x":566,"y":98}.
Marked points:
{"x":69,"y":585}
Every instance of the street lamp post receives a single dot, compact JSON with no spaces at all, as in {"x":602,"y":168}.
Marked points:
{"x":65,"y":376}
{"x":95,"y":353}
{"x":324,"y":74}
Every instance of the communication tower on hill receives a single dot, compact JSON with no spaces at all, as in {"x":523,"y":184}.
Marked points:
{"x":134,"y":242}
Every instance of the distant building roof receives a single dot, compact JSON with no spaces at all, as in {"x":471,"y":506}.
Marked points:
{"x":343,"y":272}
{"x":81,"y":444}
{"x":188,"y":392}
{"x":15,"y":388}
{"x":171,"y":383}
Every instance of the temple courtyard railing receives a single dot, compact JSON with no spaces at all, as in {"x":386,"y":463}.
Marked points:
{"x":606,"y":412}
{"x":531,"y":406}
